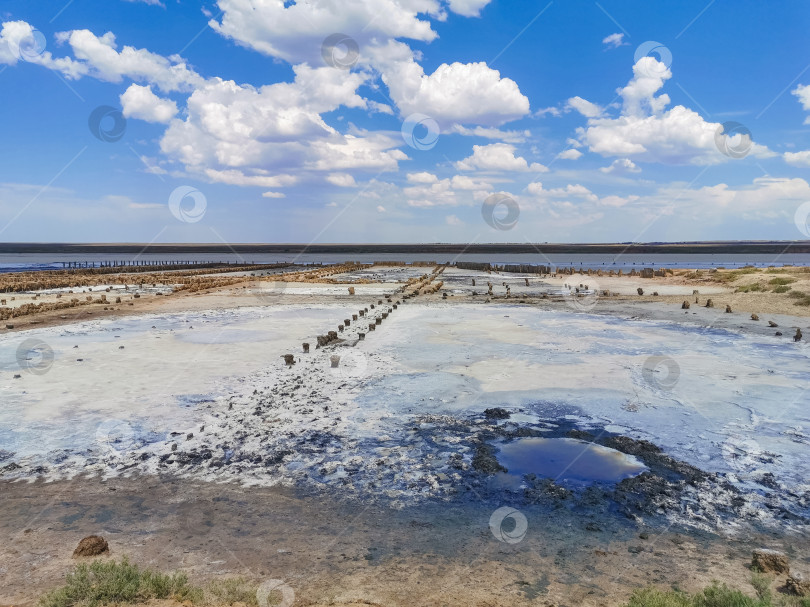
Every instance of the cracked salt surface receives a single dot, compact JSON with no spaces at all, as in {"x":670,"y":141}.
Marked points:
{"x":405,"y":418}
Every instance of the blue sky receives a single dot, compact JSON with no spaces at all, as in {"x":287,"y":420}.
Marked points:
{"x":243,"y":125}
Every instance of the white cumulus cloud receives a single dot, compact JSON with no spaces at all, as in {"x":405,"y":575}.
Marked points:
{"x":647,"y":131}
{"x":497,"y":157}
{"x":141,"y":103}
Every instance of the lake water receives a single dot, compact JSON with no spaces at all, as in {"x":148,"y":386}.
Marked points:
{"x":48,"y":261}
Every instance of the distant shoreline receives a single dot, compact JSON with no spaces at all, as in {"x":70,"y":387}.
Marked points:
{"x":710,"y":247}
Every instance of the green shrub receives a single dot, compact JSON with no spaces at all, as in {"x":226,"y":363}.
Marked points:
{"x":650,"y":597}
{"x":716,"y":595}
{"x":109,"y":582}
{"x":781,"y":281}
{"x":723,"y":596}
{"x":781,"y":289}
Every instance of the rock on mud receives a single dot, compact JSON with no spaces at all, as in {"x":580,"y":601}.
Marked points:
{"x":770,"y":561}
{"x":92,"y":545}
{"x":496,"y":413}
{"x":485,"y":461}
{"x":797,"y":584}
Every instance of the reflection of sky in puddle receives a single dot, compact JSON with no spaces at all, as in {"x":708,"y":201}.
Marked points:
{"x":566,"y":460}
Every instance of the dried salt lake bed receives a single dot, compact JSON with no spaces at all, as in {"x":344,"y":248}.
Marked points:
{"x":426,"y":408}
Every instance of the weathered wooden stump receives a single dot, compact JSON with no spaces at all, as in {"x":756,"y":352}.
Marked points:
{"x":351,"y":290}
{"x":685,"y":305}
{"x":354,"y":317}
{"x":347,"y":322}
{"x":378,"y":321}
{"x":754,"y":317}
{"x":709,"y":303}
{"x":371,"y":327}
{"x":798,"y":335}
{"x":335,"y":360}
{"x":289,"y":359}
{"x":728,"y":309}
{"x":640,"y":291}
{"x":306,"y":347}
{"x":340,"y":328}
{"x":361,"y":336}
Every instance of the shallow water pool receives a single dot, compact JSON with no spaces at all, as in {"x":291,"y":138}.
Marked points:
{"x":566,"y":460}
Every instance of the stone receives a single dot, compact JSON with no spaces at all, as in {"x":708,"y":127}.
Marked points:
{"x":335,"y":360}
{"x":92,"y":545}
{"x":728,"y":309}
{"x":770,"y":561}
{"x":640,"y":291}
{"x":772,"y":324}
{"x":797,"y":584}
{"x":685,"y":305}
{"x":496,"y":413}
{"x":709,"y":303}
{"x":798,"y":336}
{"x":754,"y":317}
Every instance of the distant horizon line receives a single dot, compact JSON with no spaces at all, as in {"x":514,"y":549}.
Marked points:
{"x":766,"y":247}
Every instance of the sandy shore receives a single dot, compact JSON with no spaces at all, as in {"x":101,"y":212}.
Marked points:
{"x":334,"y":553}
{"x":173,"y":428}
